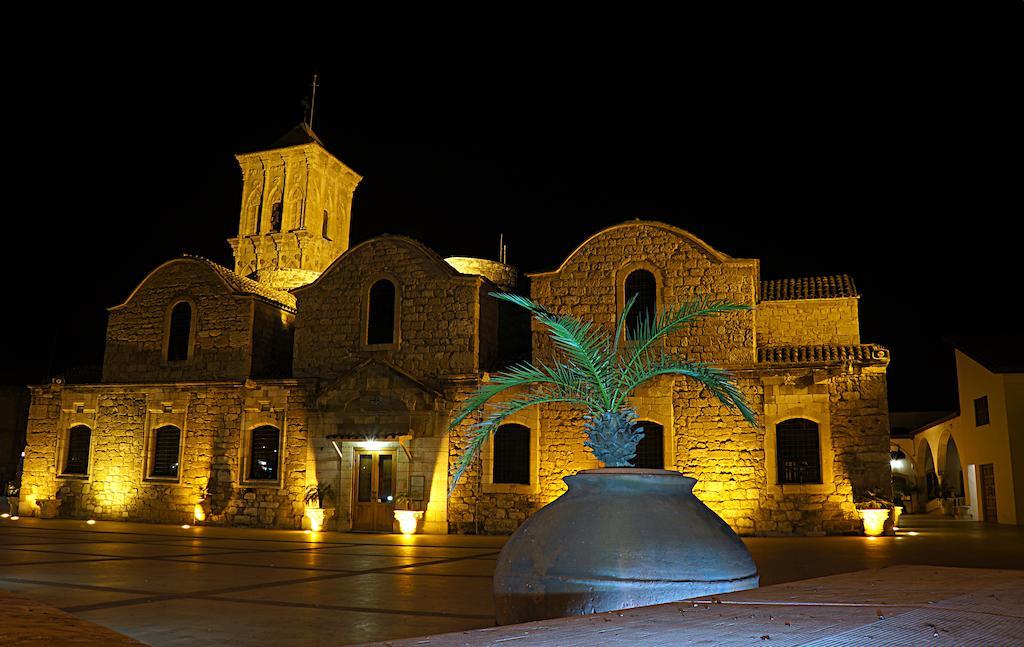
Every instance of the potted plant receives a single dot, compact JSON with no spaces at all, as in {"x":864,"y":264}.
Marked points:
{"x":875,"y":512}
{"x":318,"y":515}
{"x":619,"y":537}
{"x":406,"y":515}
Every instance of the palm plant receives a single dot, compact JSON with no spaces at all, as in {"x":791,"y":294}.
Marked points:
{"x":598,"y":373}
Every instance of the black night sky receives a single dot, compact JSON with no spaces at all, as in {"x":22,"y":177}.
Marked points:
{"x":896,"y":160}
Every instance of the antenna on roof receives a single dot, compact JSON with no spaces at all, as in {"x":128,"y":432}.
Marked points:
{"x":312,"y":101}
{"x":502,"y":249}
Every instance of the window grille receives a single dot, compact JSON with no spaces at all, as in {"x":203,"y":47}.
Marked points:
{"x":798,"y":451}
{"x":166,"y":443}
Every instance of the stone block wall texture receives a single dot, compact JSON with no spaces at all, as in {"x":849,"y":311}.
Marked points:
{"x":136,"y":330}
{"x":214,"y":419}
{"x":437,"y":312}
{"x":806,"y":322}
{"x":589,"y":285}
{"x":273,"y":340}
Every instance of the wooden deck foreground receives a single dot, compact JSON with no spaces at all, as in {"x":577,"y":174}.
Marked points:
{"x":899,"y":605}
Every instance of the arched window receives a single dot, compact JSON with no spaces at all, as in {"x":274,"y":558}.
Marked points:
{"x":179,"y":332}
{"x":380,"y":320}
{"x":650,"y":451}
{"x":276,"y":213}
{"x":798,"y":451}
{"x":327,"y":221}
{"x":640,"y":283}
{"x":511,"y":462}
{"x":77,"y":461}
{"x":166,"y":444}
{"x":264,"y":453}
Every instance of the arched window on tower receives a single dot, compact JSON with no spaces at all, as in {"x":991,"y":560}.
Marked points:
{"x":264,"y":454}
{"x":650,"y":451}
{"x":511,"y":462}
{"x":640,"y":283}
{"x":798,"y":451}
{"x":327,"y":221}
{"x":380,"y":319}
{"x":179,"y":332}
{"x":77,"y":458}
{"x":276,"y":214}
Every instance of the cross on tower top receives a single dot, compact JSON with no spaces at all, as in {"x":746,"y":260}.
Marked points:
{"x":312,"y":101}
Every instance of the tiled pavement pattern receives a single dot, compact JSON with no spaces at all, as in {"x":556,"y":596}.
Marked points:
{"x":899,"y":606}
{"x":165,"y":585}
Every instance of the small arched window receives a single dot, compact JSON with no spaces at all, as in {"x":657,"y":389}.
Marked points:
{"x":77,"y":460}
{"x":264,"y":453}
{"x":380,"y":320}
{"x":276,"y":214}
{"x":511,"y":462}
{"x":327,"y":221}
{"x":798,"y":451}
{"x":640,"y":283}
{"x":166,"y":445}
{"x":179,"y":332}
{"x":650,"y":451}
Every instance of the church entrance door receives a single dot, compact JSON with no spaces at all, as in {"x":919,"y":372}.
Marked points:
{"x":374,"y":489}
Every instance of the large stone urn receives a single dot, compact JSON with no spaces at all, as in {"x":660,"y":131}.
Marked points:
{"x":619,"y":538}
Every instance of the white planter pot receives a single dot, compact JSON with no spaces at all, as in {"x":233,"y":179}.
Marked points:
{"x":319,"y":518}
{"x":874,"y":521}
{"x":408,"y":520}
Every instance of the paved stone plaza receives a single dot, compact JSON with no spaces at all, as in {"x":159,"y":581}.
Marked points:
{"x":165,"y":585}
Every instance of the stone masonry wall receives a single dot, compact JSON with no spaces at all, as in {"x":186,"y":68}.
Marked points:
{"x":591,"y":285}
{"x":437,"y":312}
{"x":733,"y":462}
{"x":273,"y":340}
{"x":805,"y":322}
{"x":136,"y":331}
{"x":214,"y":420}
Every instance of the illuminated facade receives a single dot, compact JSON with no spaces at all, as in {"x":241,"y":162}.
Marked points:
{"x":230,"y":393}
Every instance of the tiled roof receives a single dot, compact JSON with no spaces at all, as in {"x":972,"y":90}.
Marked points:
{"x":245,"y":285}
{"x":300,"y":134}
{"x":809,"y":287}
{"x":824,"y":354}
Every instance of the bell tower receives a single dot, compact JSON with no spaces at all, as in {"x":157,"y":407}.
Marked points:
{"x":296,"y":210}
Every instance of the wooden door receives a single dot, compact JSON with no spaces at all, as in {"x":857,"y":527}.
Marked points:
{"x":988,"y":494}
{"x":373,"y":491}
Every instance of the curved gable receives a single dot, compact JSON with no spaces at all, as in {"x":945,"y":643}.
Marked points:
{"x":411,"y":247}
{"x":710,"y":252}
{"x":199,"y":265}
{"x":232,"y":282}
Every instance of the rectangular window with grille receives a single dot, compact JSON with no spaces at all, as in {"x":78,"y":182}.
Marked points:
{"x":798,"y":451}
{"x":165,"y":452}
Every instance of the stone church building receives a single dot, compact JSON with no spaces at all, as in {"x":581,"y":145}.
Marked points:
{"x":227,"y":393}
